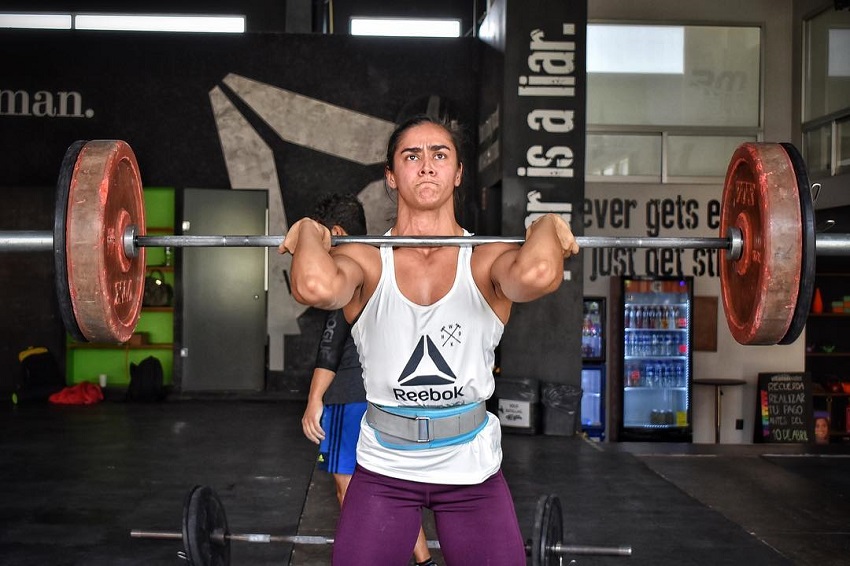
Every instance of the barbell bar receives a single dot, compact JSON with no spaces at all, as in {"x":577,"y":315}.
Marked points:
{"x":767,"y":224}
{"x":33,"y":241}
{"x":42,"y":240}
{"x":206,"y":536}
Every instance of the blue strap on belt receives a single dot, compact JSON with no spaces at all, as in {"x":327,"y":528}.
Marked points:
{"x":423,"y":419}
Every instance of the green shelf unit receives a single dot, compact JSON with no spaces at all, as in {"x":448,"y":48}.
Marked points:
{"x":86,"y":361}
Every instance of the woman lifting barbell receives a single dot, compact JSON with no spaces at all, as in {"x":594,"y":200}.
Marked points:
{"x":426,"y":322}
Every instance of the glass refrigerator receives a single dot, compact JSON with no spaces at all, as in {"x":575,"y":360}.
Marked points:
{"x":593,"y":367}
{"x":654,"y":344}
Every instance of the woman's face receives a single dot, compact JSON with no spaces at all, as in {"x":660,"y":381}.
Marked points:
{"x":821,"y":428}
{"x":425,"y":168}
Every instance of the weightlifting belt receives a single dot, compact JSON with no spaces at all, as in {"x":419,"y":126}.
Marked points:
{"x":415,"y":428}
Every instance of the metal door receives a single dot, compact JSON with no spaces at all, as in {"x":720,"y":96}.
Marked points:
{"x":224,"y":293}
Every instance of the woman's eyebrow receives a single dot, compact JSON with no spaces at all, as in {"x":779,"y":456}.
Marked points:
{"x":435,"y":147}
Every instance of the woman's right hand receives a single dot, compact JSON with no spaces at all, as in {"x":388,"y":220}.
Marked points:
{"x":290,"y":242}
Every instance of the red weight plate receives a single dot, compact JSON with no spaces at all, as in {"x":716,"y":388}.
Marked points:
{"x":761,"y":199}
{"x":104,"y":198}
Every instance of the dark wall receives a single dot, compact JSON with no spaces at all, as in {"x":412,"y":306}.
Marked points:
{"x":30,"y":311}
{"x":153,"y":91}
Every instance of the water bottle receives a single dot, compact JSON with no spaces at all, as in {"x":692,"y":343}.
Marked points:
{"x":680,"y":375}
{"x":650,"y":375}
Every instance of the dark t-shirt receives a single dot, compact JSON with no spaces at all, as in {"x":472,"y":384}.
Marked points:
{"x":338,"y":353}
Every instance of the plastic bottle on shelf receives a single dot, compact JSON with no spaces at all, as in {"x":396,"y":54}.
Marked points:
{"x":649,"y":375}
{"x":665,"y":319}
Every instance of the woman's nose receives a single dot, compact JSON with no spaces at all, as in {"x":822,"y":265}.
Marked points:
{"x":427,"y":167}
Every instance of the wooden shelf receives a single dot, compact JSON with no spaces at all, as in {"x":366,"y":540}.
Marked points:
{"x":827,"y":354}
{"x":163,"y":268}
{"x":93,"y":346}
{"x":158,"y":309}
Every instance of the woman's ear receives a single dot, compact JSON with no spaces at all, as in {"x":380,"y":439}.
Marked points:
{"x":390,"y":178}
{"x":338,"y":230}
{"x":459,"y":175}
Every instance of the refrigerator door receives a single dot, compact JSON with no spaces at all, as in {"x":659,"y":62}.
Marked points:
{"x":656,"y":365}
{"x":593,"y":401}
{"x":593,"y":330}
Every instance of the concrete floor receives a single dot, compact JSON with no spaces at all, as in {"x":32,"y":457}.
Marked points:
{"x":77,"y":480}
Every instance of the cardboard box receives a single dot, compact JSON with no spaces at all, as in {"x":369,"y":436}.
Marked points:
{"x":138,"y":339}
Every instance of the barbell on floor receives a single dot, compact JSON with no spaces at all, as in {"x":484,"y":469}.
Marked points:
{"x":767,"y":222}
{"x":206,"y":536}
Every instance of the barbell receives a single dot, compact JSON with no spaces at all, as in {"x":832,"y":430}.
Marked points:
{"x":98,"y":241}
{"x":206,"y":536}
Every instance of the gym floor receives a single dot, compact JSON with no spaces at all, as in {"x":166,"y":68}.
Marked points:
{"x":76,"y":480}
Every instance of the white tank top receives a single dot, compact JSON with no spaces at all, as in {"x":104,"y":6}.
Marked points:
{"x":436,"y":355}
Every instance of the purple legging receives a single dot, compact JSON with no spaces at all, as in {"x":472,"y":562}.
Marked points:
{"x":380,"y":519}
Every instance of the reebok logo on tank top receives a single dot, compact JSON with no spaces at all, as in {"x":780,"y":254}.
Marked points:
{"x":427,"y":366}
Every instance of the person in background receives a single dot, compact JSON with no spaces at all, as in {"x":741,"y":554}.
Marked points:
{"x":337,"y":399}
{"x":426,"y":322}
{"x":821,"y":429}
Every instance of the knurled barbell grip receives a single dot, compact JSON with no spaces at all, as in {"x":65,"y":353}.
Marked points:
{"x":559,"y":548}
{"x":240,"y":537}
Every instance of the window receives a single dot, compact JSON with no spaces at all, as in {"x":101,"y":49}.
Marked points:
{"x":669,"y":102}
{"x":826,"y":94}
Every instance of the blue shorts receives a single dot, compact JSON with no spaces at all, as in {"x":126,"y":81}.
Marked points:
{"x":338,"y":450}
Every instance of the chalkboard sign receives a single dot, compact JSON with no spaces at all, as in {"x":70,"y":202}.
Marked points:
{"x":784,"y":408}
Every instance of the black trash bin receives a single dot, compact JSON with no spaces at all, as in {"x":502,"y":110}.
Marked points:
{"x":561,"y":409}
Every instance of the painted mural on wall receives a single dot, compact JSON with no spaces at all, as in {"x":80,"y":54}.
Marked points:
{"x":667,"y":211}
{"x":535,"y":135}
{"x":299,"y":116}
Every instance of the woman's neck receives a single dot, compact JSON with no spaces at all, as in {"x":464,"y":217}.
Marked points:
{"x":426,"y":223}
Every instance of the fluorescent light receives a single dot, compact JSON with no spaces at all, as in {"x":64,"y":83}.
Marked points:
{"x":402,"y":27}
{"x":145,"y":22}
{"x":35,"y":21}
